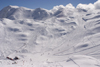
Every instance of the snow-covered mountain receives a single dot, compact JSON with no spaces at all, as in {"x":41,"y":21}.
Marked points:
{"x":60,"y":37}
{"x":15,"y":12}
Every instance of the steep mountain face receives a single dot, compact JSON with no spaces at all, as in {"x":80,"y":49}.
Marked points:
{"x":64,"y":32}
{"x":14,"y":12}
{"x":39,"y":14}
{"x":7,"y":12}
{"x":63,"y":12}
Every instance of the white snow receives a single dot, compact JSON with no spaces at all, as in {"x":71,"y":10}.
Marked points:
{"x":64,"y":36}
{"x":86,"y":6}
{"x":97,"y":4}
{"x":14,"y":6}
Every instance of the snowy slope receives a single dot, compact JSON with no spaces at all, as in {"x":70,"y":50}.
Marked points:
{"x":63,"y":36}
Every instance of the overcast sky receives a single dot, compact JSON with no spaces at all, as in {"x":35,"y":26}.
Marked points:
{"x":47,"y":4}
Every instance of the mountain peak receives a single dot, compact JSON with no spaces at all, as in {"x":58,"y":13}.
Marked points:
{"x":13,"y":6}
{"x":70,"y":6}
{"x":39,"y":8}
{"x":40,"y":14}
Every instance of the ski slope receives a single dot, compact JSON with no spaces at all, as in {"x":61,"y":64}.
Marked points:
{"x":60,"y":37}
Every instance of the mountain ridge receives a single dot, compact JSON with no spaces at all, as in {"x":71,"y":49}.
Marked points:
{"x":14,"y":12}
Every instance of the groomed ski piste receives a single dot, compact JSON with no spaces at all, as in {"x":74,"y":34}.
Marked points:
{"x":64,"y":36}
